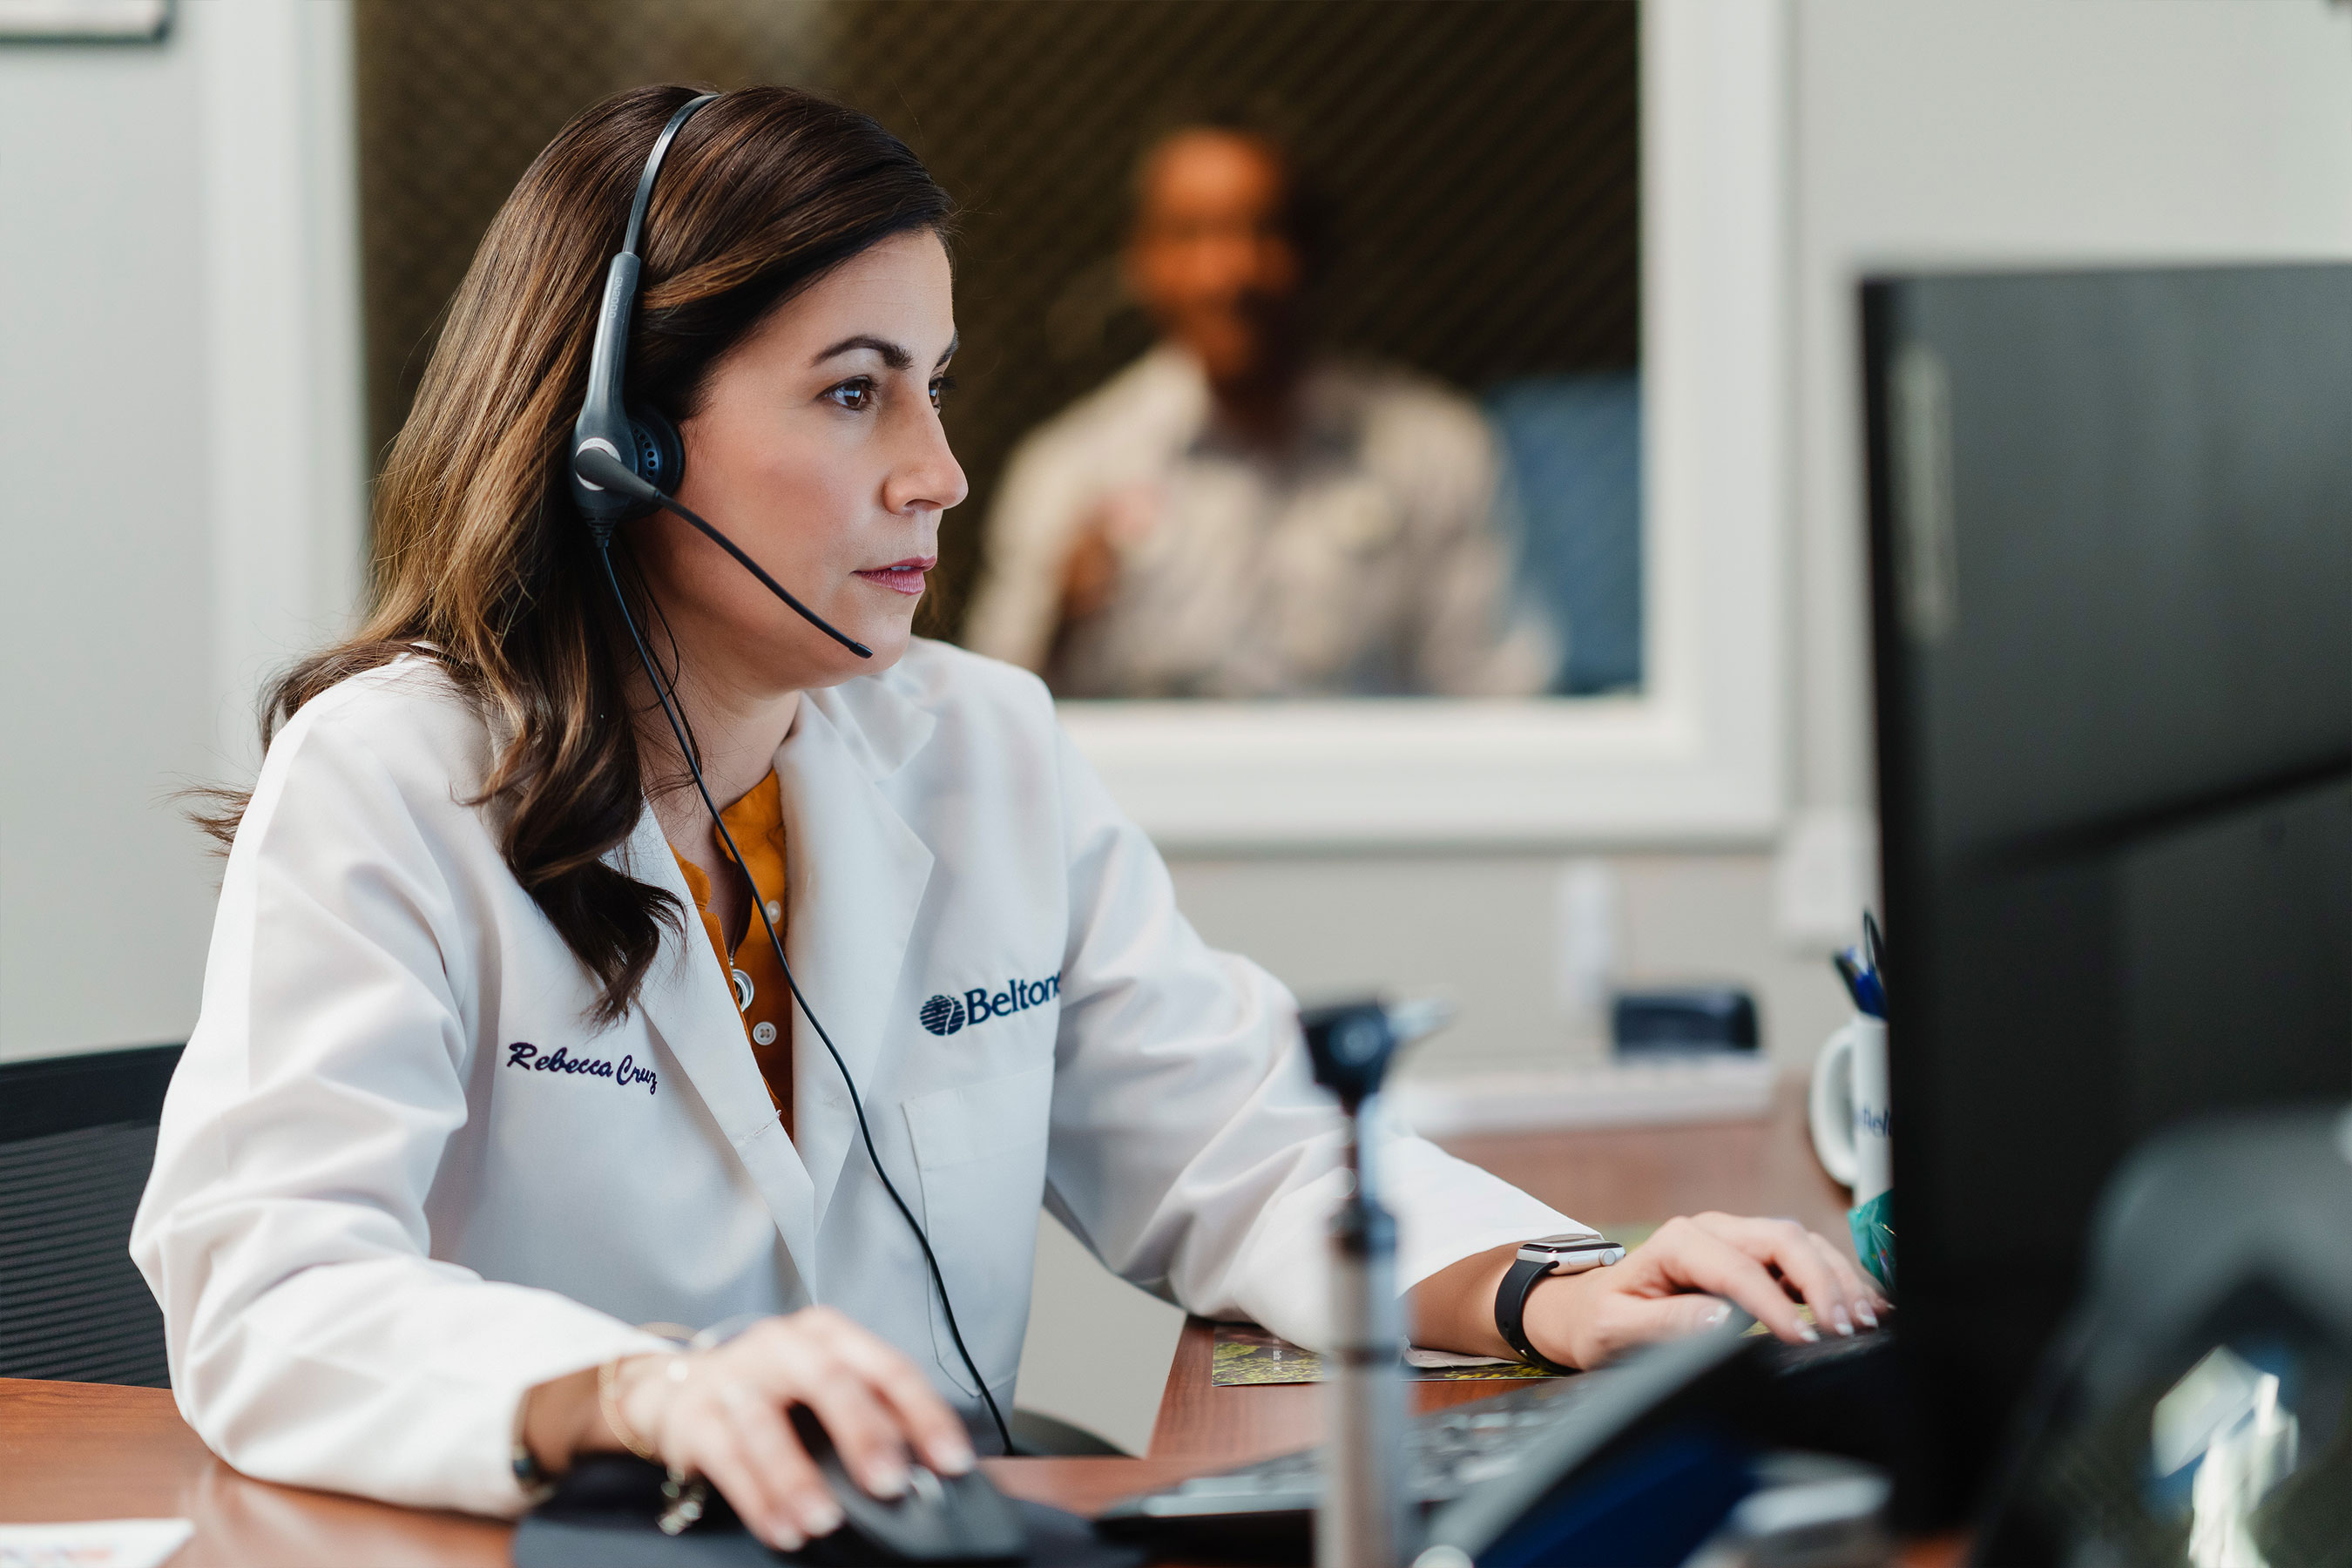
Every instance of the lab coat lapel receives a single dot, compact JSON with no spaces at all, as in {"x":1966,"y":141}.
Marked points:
{"x":691,"y":1005}
{"x":858,"y":873}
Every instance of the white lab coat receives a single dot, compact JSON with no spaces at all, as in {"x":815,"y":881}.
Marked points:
{"x":374,"y":1221}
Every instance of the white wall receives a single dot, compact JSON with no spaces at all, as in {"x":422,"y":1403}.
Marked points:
{"x":178,"y":292}
{"x":105,"y":641}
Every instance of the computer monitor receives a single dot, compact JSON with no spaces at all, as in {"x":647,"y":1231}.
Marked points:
{"x":2111,"y":526}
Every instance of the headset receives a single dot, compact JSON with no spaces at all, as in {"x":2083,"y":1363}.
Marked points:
{"x":624,"y":463}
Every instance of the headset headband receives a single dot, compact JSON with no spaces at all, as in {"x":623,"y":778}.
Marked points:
{"x":653,"y":167}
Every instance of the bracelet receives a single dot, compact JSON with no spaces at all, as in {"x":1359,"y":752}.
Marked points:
{"x":610,"y":1408}
{"x":609,"y":1373}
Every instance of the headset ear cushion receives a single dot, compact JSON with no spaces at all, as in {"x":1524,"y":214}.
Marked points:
{"x":660,"y":456}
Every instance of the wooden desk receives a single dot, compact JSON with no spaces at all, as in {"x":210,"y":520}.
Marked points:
{"x":86,"y":1450}
{"x":93,"y":1451}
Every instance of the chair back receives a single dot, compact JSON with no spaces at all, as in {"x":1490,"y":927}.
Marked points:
{"x":77,"y":1140}
{"x":1572,"y":455}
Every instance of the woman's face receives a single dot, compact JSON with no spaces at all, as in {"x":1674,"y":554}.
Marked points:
{"x":818,"y":449}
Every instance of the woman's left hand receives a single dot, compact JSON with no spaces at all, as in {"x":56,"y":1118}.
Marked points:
{"x":1678,"y":1282}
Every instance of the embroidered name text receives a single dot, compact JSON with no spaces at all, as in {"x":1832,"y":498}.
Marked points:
{"x":624,"y":1073}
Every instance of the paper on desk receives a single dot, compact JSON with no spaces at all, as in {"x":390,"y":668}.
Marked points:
{"x":1244,"y":1354}
{"x":99,"y":1543}
{"x":1422,"y":1356}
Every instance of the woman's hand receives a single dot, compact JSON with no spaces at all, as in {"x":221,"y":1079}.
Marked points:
{"x":723,"y":1414}
{"x":1678,"y":1281}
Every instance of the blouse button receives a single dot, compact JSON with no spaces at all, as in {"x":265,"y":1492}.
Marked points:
{"x":763,"y":1034}
{"x":775,"y":910}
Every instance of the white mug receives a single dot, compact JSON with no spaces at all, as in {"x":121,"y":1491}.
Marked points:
{"x":1851,"y":1116}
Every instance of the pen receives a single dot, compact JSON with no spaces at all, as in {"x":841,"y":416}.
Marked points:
{"x":1848,"y":973}
{"x":1860,"y":983}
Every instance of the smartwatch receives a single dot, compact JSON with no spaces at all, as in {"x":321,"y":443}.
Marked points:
{"x":1570,"y":1254}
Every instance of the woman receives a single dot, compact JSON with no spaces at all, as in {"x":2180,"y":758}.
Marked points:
{"x":494,"y":1064}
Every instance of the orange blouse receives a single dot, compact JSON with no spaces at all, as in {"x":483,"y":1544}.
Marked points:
{"x":762,"y":995}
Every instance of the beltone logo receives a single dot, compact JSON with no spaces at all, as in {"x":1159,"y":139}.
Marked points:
{"x":944,"y":1015}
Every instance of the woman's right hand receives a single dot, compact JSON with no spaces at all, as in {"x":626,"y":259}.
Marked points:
{"x":724,"y":1414}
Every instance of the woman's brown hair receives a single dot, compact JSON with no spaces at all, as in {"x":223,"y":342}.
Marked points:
{"x":480,"y":558}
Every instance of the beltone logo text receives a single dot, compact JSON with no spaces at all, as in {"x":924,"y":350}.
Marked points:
{"x":944,"y":1015}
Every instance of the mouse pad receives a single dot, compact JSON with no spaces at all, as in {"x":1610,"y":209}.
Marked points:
{"x":603,"y":1518}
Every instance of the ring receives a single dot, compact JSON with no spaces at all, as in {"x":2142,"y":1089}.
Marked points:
{"x":686,"y":1501}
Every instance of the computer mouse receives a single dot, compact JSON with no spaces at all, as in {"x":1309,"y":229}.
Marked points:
{"x":938,"y":1518}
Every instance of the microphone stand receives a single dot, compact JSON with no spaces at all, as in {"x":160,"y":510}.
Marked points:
{"x":1363,"y":1518}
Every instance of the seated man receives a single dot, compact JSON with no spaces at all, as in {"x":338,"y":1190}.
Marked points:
{"x":1231,"y":516}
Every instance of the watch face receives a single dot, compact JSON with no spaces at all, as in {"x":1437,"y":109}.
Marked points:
{"x":1571,"y":1252}
{"x":1574,"y":1241}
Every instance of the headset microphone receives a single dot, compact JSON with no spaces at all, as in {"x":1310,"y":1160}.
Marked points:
{"x":624,"y":461}
{"x":600,"y":470}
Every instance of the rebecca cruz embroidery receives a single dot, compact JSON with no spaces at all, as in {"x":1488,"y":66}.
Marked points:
{"x":624,"y":1073}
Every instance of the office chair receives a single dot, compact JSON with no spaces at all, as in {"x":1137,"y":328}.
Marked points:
{"x":1572,"y":447}
{"x":77,"y":1139}
{"x":1041,"y":1435}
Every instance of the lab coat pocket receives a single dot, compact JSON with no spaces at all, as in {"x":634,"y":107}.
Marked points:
{"x":980,"y":1149}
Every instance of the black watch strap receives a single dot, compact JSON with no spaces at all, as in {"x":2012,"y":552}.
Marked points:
{"x":1510,"y":1308}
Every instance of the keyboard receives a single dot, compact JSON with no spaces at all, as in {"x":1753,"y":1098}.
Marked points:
{"x":1268,"y":1507}
{"x":1273,"y":1501}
